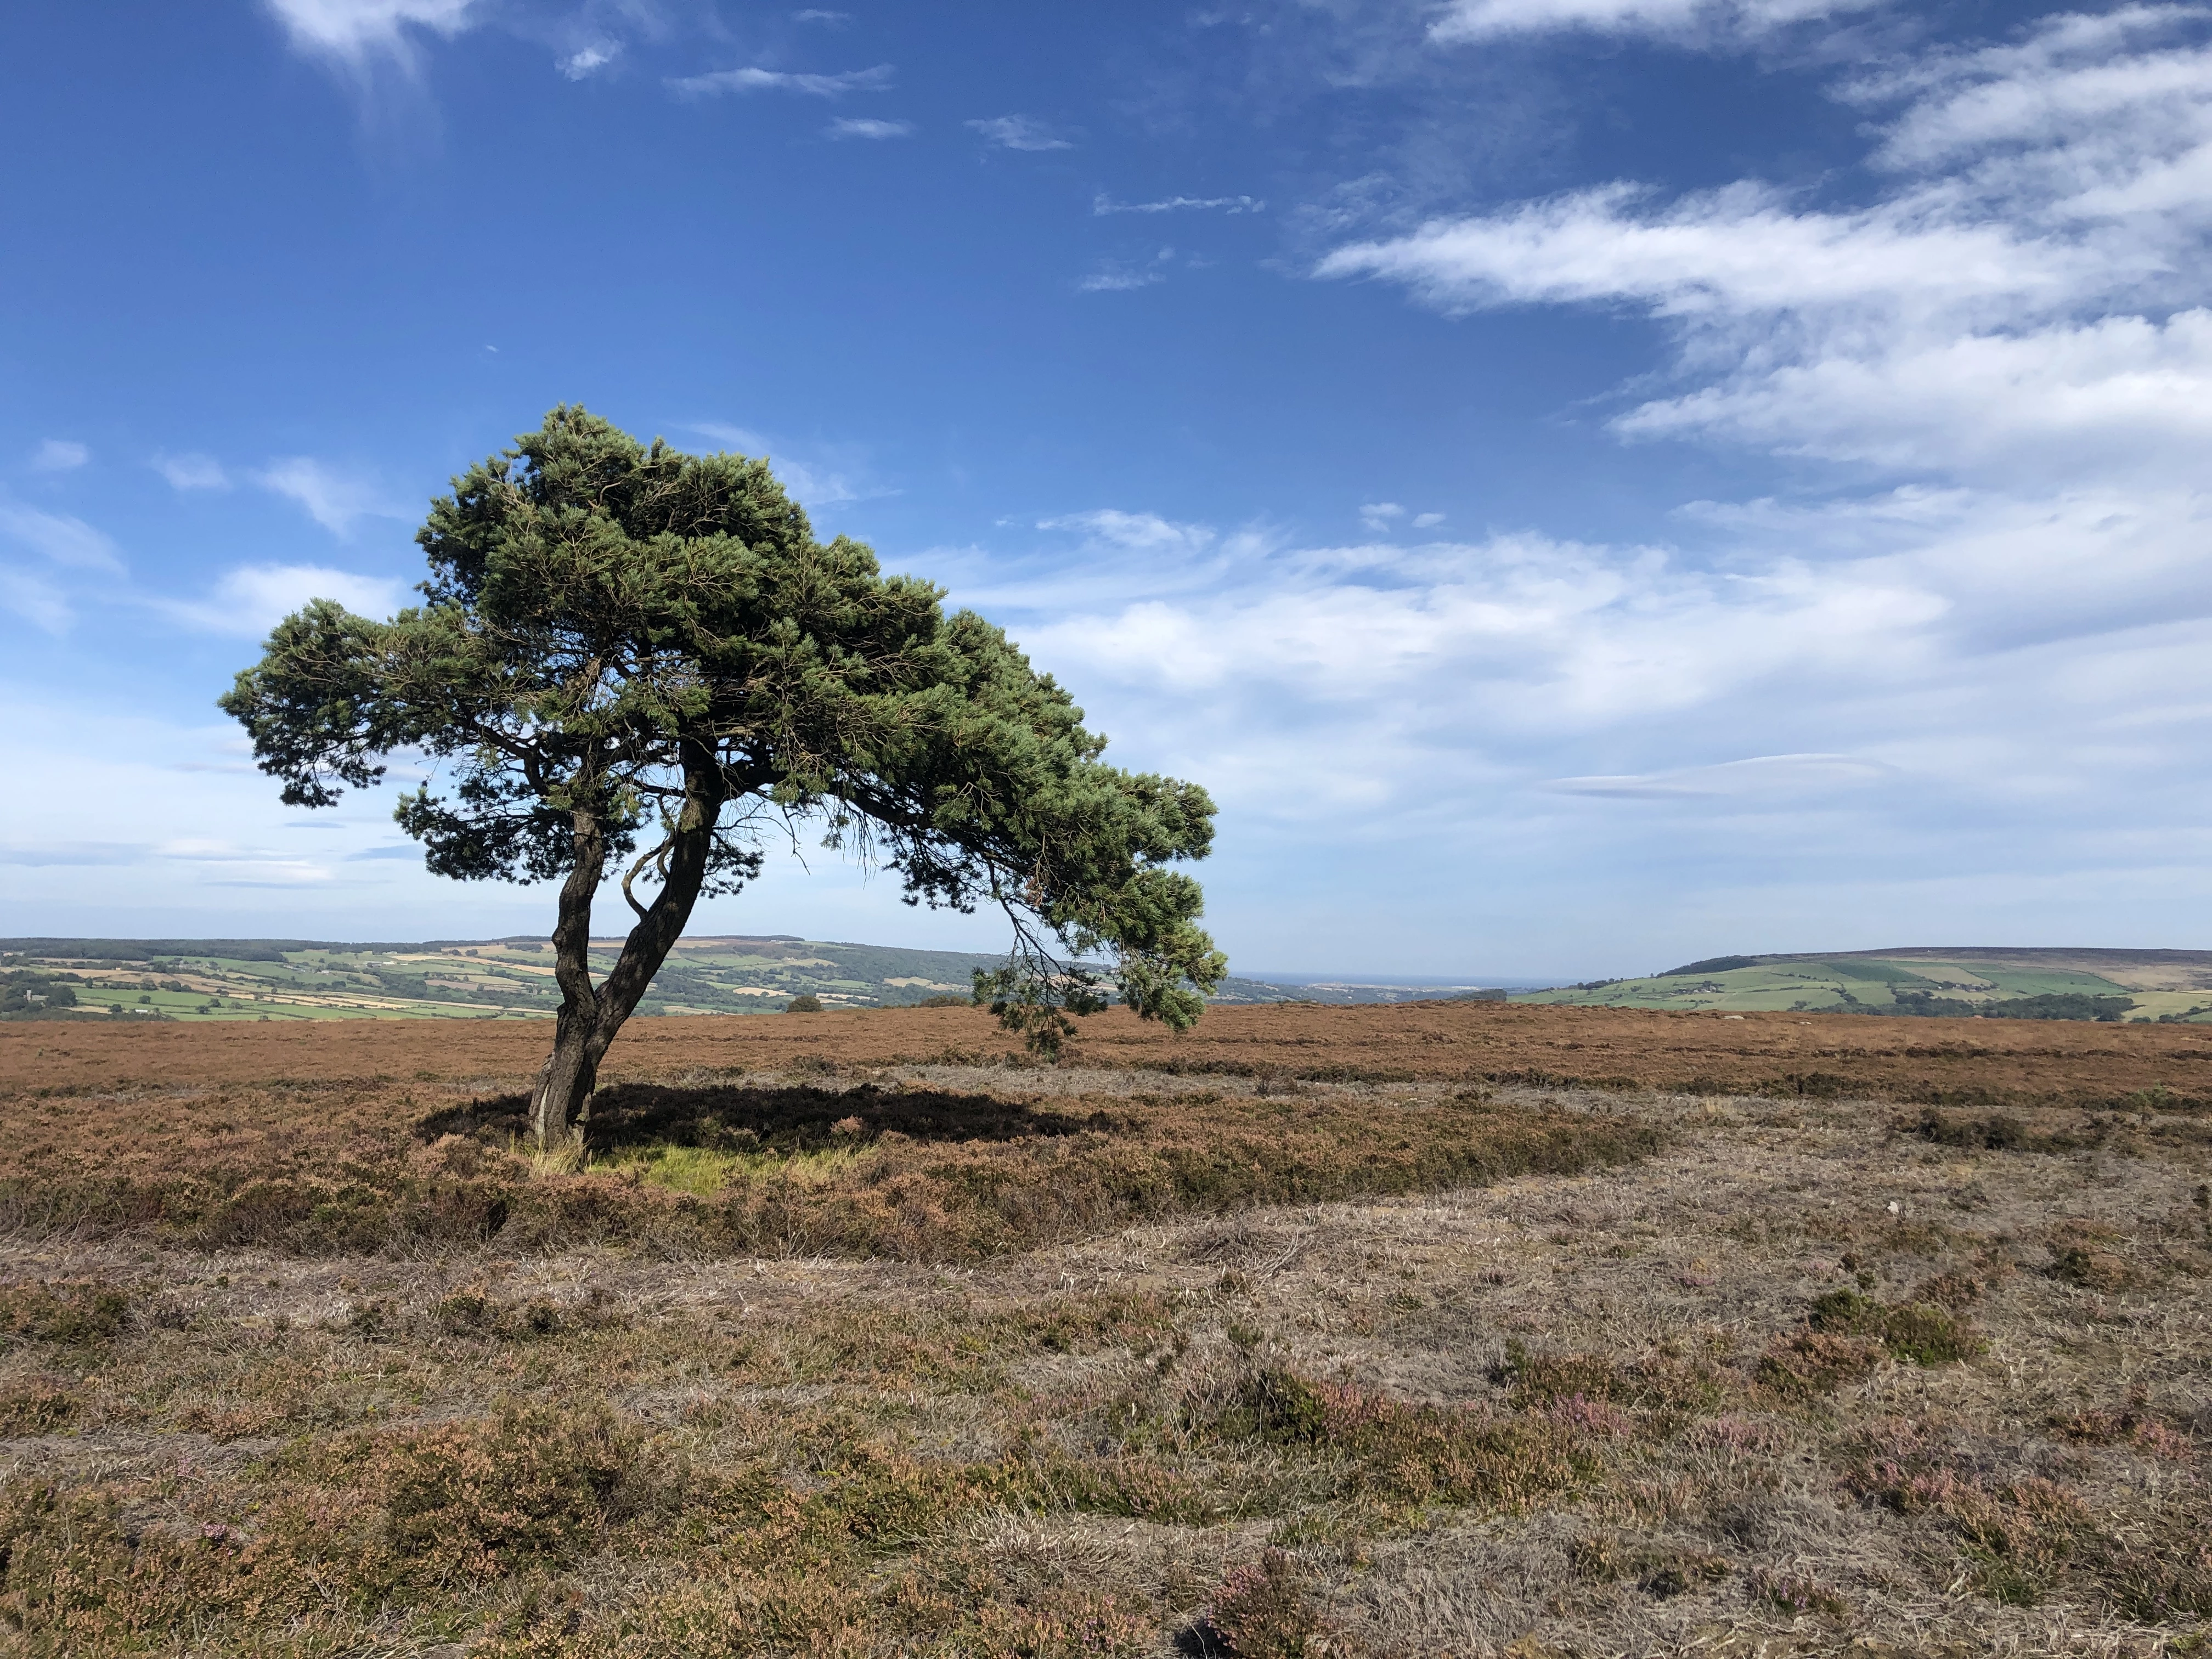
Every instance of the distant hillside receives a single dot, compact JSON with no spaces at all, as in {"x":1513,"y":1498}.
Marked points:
{"x":1967,"y":981}
{"x":290,"y":979}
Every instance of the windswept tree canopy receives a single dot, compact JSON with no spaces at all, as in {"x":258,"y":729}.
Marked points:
{"x":633,"y":661}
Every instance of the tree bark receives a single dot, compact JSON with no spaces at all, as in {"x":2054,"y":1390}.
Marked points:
{"x":590,"y":1016}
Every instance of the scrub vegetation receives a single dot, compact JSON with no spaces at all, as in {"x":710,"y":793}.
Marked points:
{"x":306,"y":1351}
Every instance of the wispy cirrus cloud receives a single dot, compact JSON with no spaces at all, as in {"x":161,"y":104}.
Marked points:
{"x":50,"y":855}
{"x":59,"y":539}
{"x":855,"y":127}
{"x":1760,"y":776}
{"x":191,"y":471}
{"x":818,"y":475}
{"x":1469,"y":20}
{"x":66,"y":548}
{"x":355,"y":33}
{"x":1019,"y":132}
{"x":755,"y":79}
{"x":1102,"y":205}
{"x":59,"y":455}
{"x":36,"y":599}
{"x":335,"y":498}
{"x":1121,"y":276}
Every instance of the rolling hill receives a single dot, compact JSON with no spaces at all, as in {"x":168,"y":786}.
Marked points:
{"x":196,"y":979}
{"x":1959,"y":980}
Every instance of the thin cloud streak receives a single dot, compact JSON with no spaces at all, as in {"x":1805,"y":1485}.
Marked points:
{"x":191,"y":471}
{"x":1019,"y":132}
{"x":1467,"y":22}
{"x":848,"y":127}
{"x":59,"y":455}
{"x":755,"y":79}
{"x":1102,"y":205}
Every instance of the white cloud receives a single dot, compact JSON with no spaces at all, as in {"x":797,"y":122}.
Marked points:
{"x":1119,"y":282}
{"x":815,"y":14}
{"x":1102,"y":205}
{"x":1728,"y":253}
{"x":1019,"y":133}
{"x":763,"y":80}
{"x":47,"y":856}
{"x":35,"y":598}
{"x":62,"y":540}
{"x":1466,"y":21}
{"x":1135,"y":533}
{"x":588,"y":60}
{"x":1765,"y":776}
{"x":2121,"y":392}
{"x":2024,"y":300}
{"x":354,"y":32}
{"x":191,"y":471}
{"x":816,"y":475}
{"x":59,"y":455}
{"x":334,"y":499}
{"x":1121,"y":277}
{"x":249,"y":601}
{"x":849,"y":127}
{"x":1995,"y":620}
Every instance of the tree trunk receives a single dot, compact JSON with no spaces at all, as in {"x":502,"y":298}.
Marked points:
{"x":563,"y":1091}
{"x":561,"y":1103}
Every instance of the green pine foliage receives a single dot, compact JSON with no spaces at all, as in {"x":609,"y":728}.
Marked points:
{"x":621,"y":646}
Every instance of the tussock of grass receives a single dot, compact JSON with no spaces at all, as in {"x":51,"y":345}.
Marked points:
{"x":705,"y":1171}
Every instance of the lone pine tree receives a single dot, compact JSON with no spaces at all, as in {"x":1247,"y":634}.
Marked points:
{"x":633,"y":663}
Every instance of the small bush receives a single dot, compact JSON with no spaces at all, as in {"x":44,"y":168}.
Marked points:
{"x":36,"y":1405}
{"x":1415,"y":1454}
{"x":2092,"y":1269}
{"x":805,"y":1003}
{"x":1264,"y":1611}
{"x":1811,"y":1363}
{"x":1917,"y":1331}
{"x":1793,"y":1594}
{"x":75,"y":1314}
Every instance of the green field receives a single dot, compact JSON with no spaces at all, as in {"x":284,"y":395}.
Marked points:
{"x":200,"y":980}
{"x":1994,"y":983}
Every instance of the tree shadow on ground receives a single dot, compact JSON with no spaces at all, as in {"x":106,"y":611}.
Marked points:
{"x":728,"y":1118}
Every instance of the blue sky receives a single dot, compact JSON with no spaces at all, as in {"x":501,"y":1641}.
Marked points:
{"x":1588,"y":483}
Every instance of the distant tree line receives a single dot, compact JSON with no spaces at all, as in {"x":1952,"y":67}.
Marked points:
{"x":2055,"y":1005}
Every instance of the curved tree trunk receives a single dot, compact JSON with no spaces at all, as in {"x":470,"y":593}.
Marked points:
{"x":590,"y":1016}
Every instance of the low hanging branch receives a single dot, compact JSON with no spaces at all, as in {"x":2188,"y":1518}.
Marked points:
{"x":613,"y":632}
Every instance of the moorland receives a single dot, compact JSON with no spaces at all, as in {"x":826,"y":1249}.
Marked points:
{"x":287,"y":979}
{"x":1439,"y":1328}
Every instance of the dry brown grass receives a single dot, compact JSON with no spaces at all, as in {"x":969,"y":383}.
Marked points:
{"x":1095,"y":1361}
{"x":1935,"y":1061}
